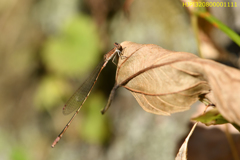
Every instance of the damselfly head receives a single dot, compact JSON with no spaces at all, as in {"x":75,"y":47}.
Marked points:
{"x":112,"y":53}
{"x":118,"y":46}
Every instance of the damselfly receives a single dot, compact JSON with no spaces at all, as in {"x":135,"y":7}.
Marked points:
{"x":79,"y":97}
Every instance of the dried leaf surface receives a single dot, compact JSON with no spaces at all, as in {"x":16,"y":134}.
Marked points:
{"x":182,"y":153}
{"x":164,"y":82}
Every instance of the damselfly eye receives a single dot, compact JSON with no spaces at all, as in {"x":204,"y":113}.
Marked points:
{"x":118,"y":46}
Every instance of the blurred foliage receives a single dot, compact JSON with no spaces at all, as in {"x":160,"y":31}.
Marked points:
{"x":74,"y":49}
{"x":19,"y":153}
{"x":69,"y":53}
{"x":95,"y":128}
{"x":50,"y":92}
{"x":164,"y":23}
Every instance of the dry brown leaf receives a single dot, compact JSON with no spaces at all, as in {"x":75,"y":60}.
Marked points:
{"x":164,"y":82}
{"x":157,"y":84}
{"x":182,"y":153}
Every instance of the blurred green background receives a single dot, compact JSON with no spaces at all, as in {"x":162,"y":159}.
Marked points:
{"x":49,"y":47}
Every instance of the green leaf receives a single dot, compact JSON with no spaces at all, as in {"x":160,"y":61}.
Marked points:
{"x":218,"y":24}
{"x":213,"y":117}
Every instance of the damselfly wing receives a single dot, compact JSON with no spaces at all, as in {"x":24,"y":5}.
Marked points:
{"x":79,"y":97}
